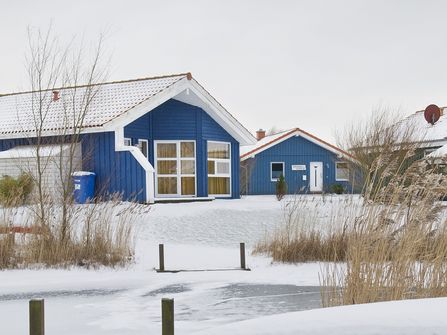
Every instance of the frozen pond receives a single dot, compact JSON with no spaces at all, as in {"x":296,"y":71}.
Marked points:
{"x":87,"y":310}
{"x":196,"y":236}
{"x":56,"y":294}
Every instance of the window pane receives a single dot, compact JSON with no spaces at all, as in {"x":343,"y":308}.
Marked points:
{"x":143,"y":147}
{"x":277,"y":170}
{"x":218,"y":150}
{"x":188,"y":167}
{"x":166,"y":150}
{"x":188,"y":185}
{"x":187,"y":149}
{"x":211,"y":167}
{"x":219,"y":185}
{"x":167,"y":185}
{"x":167,"y":167}
{"x":342,"y":171}
{"x":127,"y":141}
{"x":223,"y":167}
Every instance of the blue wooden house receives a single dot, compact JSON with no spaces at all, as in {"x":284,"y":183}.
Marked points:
{"x":147,"y":139}
{"x":308,"y":164}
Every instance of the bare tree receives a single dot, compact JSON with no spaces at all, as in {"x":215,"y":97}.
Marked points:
{"x":63,"y":81}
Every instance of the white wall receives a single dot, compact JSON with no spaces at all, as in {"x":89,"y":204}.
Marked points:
{"x":51,"y":165}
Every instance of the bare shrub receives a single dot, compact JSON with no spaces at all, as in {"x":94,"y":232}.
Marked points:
{"x":100,"y":234}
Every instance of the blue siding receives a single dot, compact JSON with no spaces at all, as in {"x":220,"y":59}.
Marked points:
{"x":119,"y":172}
{"x":116,"y":172}
{"x":175,"y":120}
{"x":293,"y":151}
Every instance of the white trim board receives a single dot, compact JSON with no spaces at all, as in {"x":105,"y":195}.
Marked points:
{"x":217,"y":175}
{"x":143,"y":161}
{"x":198,"y":97}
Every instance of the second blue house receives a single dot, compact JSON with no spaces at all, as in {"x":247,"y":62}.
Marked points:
{"x":308,"y":164}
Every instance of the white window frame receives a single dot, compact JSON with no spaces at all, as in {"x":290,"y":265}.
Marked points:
{"x":224,"y":175}
{"x":127,"y":141}
{"x":271,"y":170}
{"x":140,"y":141}
{"x":336,"y":168}
{"x":178,"y":174}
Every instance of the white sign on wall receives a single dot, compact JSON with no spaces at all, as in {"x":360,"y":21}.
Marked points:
{"x":298,"y":167}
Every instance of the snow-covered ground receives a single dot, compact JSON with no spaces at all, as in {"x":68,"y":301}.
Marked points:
{"x":199,"y":236}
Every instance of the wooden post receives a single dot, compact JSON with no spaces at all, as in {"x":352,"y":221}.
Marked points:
{"x":161,"y":257}
{"x":242,"y":247}
{"x":36,"y":317}
{"x":167,"y":316}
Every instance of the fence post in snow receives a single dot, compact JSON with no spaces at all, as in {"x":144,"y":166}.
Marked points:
{"x":36,"y":317}
{"x":167,"y":316}
{"x":161,"y":257}
{"x":242,"y":247}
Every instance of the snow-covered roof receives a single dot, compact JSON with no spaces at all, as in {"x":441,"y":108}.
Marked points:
{"x":267,"y":142}
{"x":110,"y":100}
{"x":262,"y":142}
{"x":424,"y":131}
{"x":30,"y":151}
{"x":113,"y":105}
{"x":439,"y":153}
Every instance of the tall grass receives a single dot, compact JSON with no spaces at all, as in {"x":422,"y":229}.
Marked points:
{"x":391,"y":244}
{"x":314,"y":228}
{"x":98,"y":234}
{"x":397,"y":249}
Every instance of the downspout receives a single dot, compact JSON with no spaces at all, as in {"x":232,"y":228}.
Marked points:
{"x":139,"y":157}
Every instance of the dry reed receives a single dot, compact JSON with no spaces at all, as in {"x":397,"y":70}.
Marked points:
{"x":98,"y":234}
{"x":389,"y":245}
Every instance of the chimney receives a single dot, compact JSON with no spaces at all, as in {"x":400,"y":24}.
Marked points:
{"x":55,"y":95}
{"x":260,"y":134}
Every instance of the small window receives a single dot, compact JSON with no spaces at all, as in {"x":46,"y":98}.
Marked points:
{"x":144,"y":147}
{"x":127,"y":142}
{"x":341,"y":171}
{"x":276,"y":170}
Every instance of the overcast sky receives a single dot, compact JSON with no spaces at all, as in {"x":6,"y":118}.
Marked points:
{"x":316,"y":65}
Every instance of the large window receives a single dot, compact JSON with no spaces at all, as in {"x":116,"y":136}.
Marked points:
{"x":175,"y":168}
{"x":341,"y":171}
{"x":219,"y":168}
{"x":276,"y":170}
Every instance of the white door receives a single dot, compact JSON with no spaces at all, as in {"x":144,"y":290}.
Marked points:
{"x":316,"y":176}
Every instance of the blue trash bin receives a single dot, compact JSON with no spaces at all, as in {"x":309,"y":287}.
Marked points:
{"x":84,"y":186}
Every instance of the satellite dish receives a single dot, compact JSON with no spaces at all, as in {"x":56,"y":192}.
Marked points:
{"x":432,"y":114}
